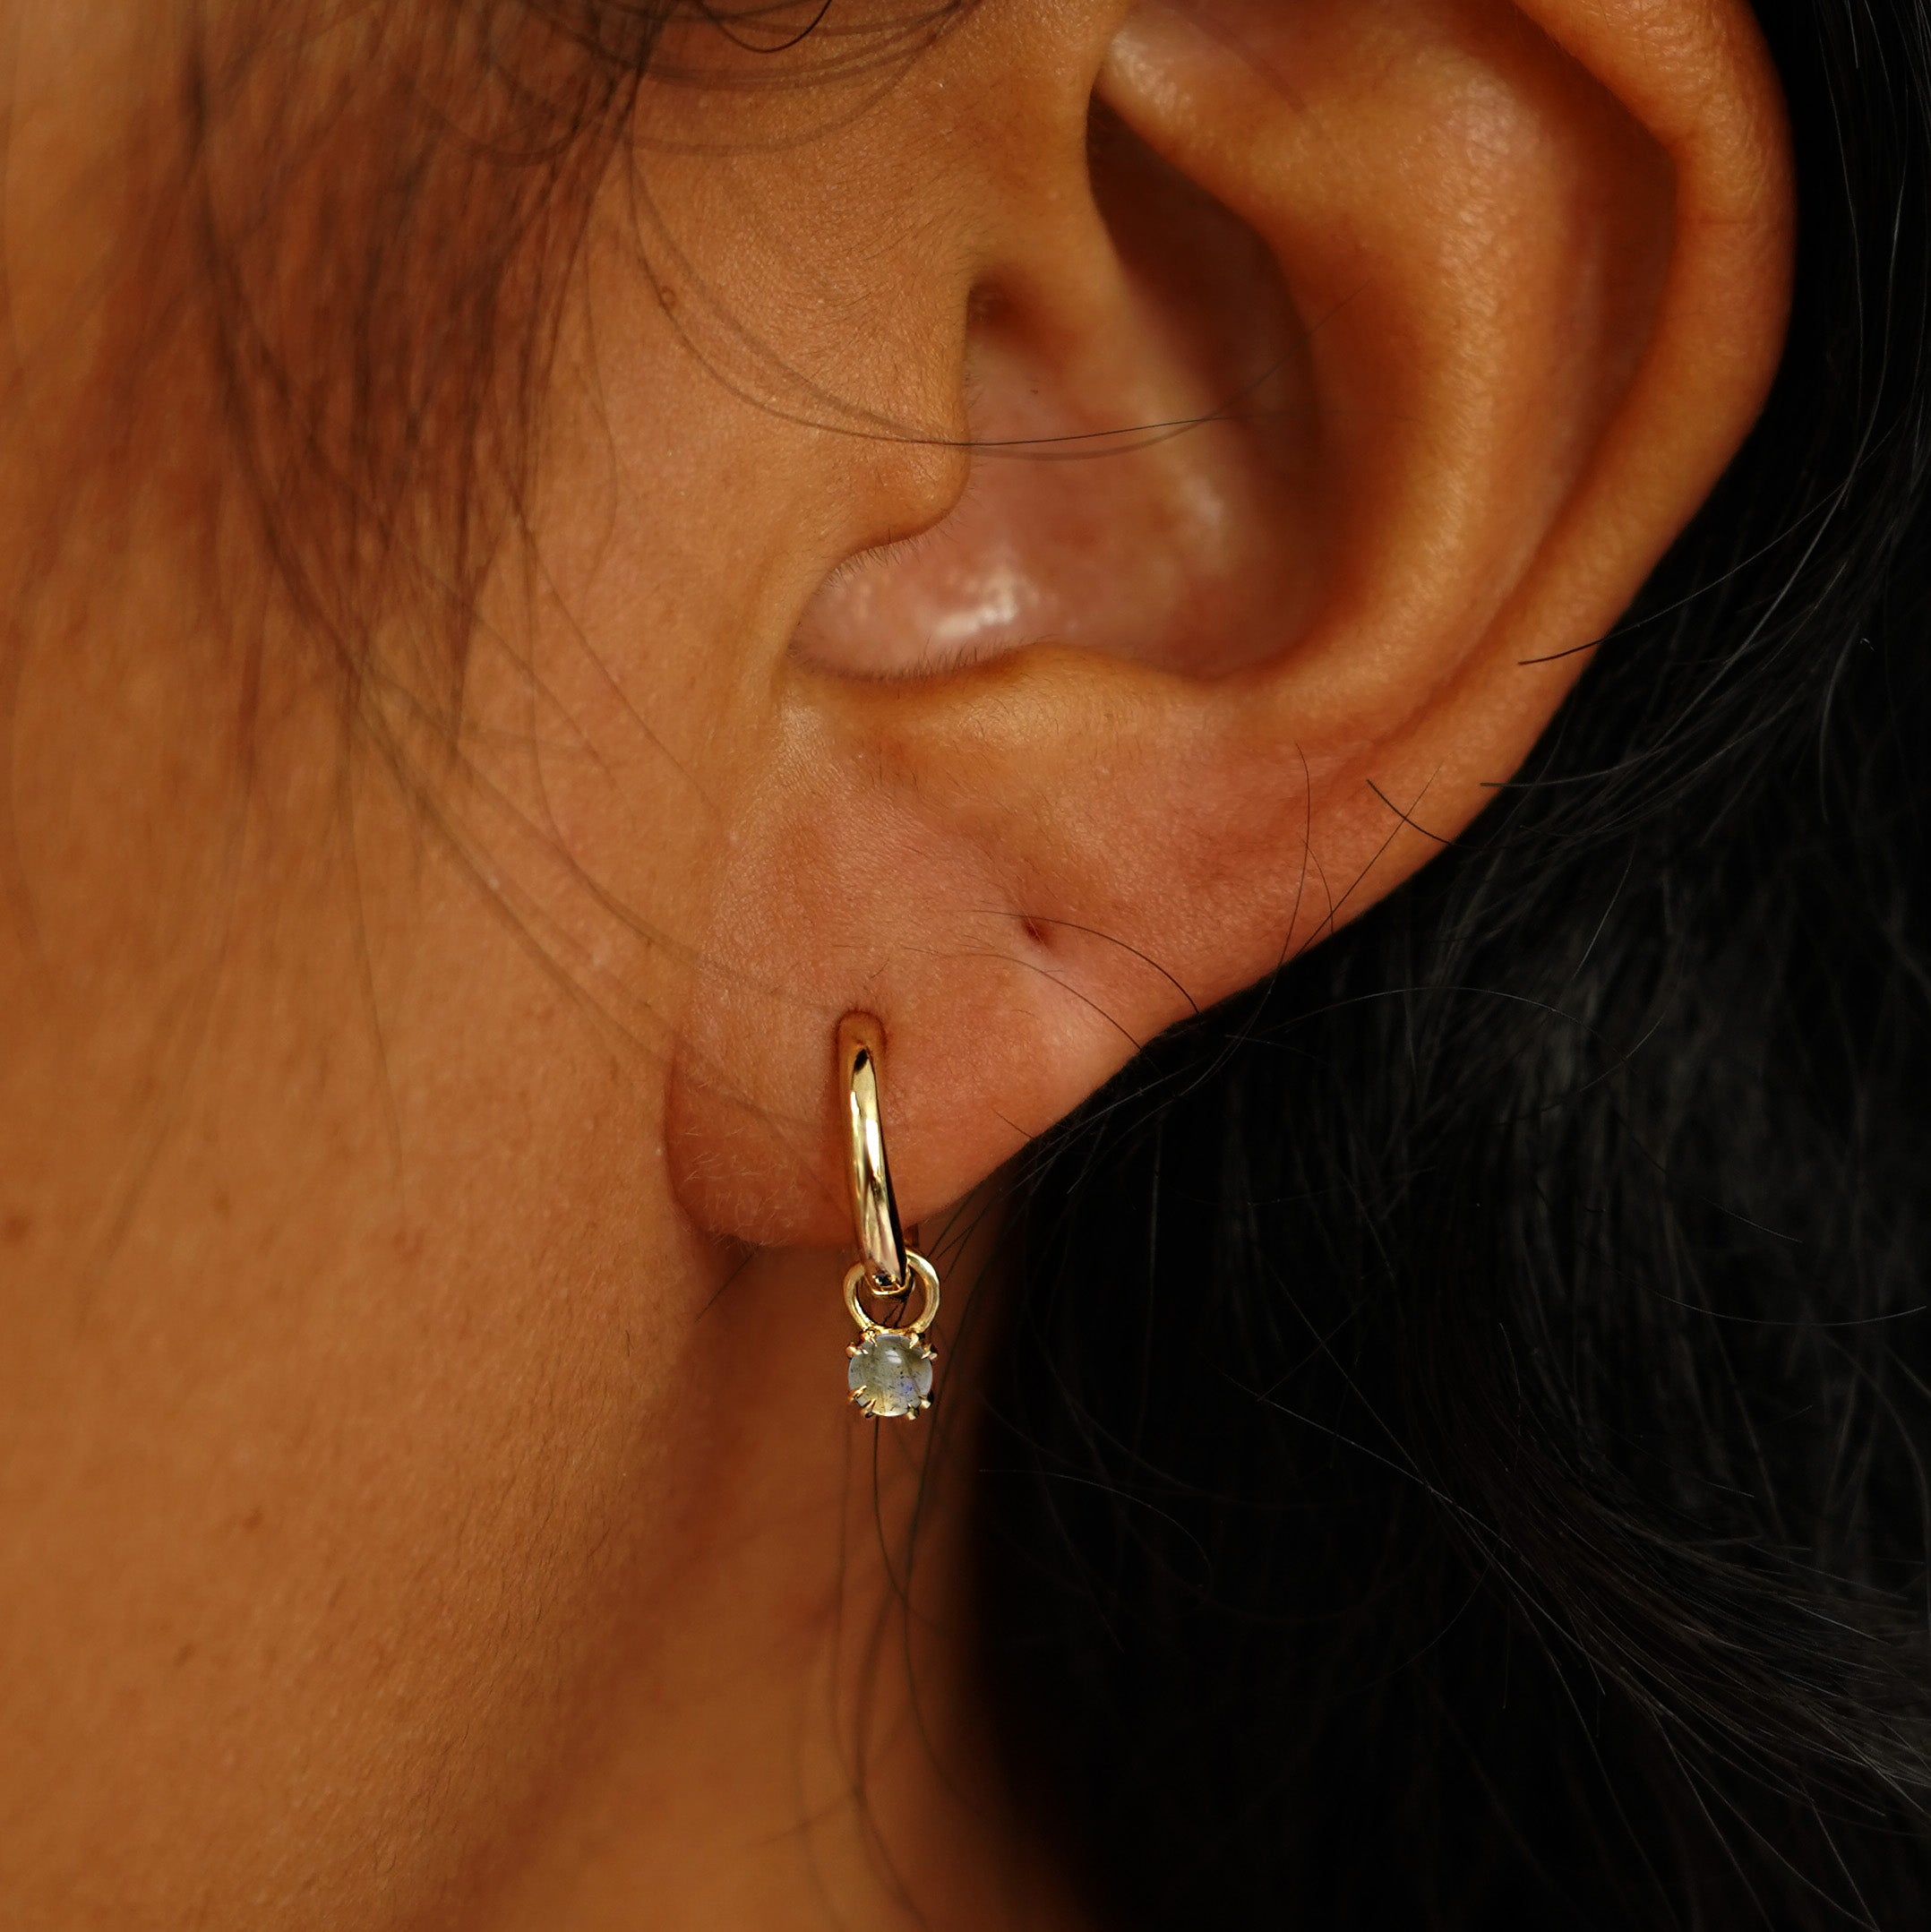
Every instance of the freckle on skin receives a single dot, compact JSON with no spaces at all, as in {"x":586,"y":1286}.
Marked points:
{"x":15,"y":1228}
{"x":1035,"y":931}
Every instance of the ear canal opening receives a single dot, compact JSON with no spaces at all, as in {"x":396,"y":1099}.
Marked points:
{"x":1142,"y":449}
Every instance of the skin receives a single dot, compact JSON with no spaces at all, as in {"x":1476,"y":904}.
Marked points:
{"x":427,"y":1492}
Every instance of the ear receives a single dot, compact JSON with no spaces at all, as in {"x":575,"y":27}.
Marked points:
{"x":1090,"y":756}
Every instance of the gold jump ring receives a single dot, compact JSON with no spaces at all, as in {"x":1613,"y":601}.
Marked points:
{"x":924,"y":1274}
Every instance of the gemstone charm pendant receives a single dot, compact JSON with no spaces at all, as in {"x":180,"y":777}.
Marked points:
{"x":888,"y":1370}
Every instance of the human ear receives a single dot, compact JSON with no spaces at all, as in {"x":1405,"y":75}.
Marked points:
{"x":1538,"y":258}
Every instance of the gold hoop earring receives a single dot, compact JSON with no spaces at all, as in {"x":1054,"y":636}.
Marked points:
{"x":888,"y":1370}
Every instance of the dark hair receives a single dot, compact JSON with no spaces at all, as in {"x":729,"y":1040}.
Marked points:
{"x":1462,"y":1454}
{"x":1459,"y":1441}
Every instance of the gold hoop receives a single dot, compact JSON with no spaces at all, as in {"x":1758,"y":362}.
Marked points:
{"x":924,"y":1274}
{"x":888,"y":1370}
{"x":874,"y":1210}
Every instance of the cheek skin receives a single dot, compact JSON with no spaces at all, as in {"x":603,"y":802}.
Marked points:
{"x":343,"y":1307}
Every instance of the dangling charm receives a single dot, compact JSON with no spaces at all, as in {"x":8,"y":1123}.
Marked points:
{"x":890,"y":1369}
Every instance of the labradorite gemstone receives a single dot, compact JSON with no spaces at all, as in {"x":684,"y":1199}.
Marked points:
{"x":891,"y":1374}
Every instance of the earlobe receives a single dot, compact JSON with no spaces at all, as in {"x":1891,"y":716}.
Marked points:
{"x":1540,"y":262}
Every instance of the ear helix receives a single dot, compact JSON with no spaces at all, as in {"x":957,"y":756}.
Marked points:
{"x":890,"y":1366}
